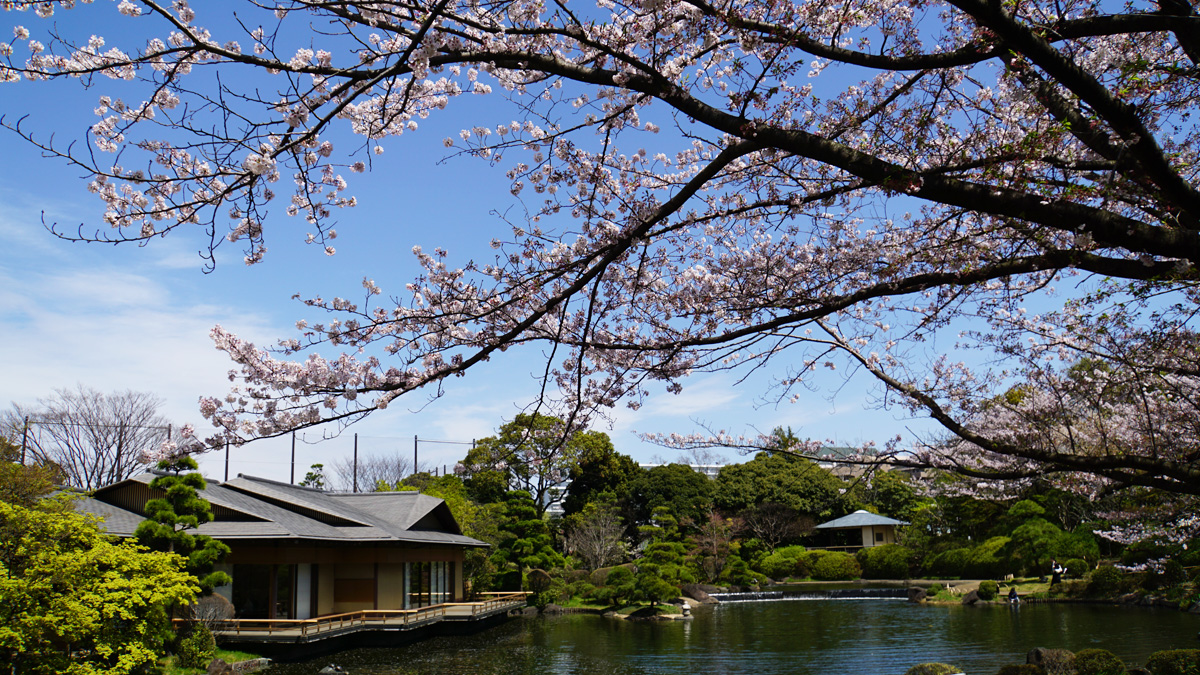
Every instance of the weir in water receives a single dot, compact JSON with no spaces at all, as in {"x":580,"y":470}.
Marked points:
{"x":815,"y":594}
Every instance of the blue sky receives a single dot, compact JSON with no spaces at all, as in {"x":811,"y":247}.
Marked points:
{"x":128,"y":317}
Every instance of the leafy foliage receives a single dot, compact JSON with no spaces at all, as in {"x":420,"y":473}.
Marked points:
{"x":1098,"y":662}
{"x":197,"y":648}
{"x":1174,"y":662}
{"x":74,"y":602}
{"x":171,"y":518}
{"x":933,"y":669}
{"x":779,"y":478}
{"x":890,"y":561}
{"x":833,"y":566}
{"x":785,"y":562}
{"x":534,"y":453}
{"x":525,"y":540}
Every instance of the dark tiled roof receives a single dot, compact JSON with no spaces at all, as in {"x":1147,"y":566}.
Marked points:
{"x":257,"y":508}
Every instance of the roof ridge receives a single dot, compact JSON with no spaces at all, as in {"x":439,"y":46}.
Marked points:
{"x":258,"y":479}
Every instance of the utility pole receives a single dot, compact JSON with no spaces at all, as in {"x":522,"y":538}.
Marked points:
{"x":226,"y":461}
{"x":24,"y":439}
{"x":414,"y":454}
{"x":293,"y":481}
{"x":356,"y":462}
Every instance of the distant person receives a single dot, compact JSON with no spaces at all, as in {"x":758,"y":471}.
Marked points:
{"x":1012,"y":595}
{"x":1056,"y":572}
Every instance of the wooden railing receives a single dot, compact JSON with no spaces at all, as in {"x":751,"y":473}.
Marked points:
{"x":367,"y":617}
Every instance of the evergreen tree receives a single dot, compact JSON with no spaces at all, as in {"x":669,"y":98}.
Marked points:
{"x":171,"y":519}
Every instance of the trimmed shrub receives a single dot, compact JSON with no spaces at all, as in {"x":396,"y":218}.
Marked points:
{"x":1023,"y":669}
{"x":890,"y":561}
{"x":1077,"y":568}
{"x":988,"y":590}
{"x":935,"y":588}
{"x":1174,"y":662}
{"x":933,"y":669}
{"x":782,"y":563}
{"x":1104,"y":580}
{"x":836,"y":566}
{"x":1053,"y":661}
{"x":537,"y":580}
{"x":197,"y":649}
{"x":950,"y":563}
{"x":988,"y":560}
{"x":580,"y":589}
{"x":1098,"y":662}
{"x":1173,"y":573}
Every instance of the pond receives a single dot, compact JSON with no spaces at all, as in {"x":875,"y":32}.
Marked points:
{"x":796,"y":637}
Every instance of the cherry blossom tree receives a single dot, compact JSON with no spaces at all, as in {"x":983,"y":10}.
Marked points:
{"x":788,"y":185}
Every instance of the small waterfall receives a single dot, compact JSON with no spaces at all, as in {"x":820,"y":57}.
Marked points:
{"x":815,"y":594}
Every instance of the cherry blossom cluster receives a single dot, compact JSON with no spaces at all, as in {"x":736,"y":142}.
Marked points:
{"x":785,"y":186}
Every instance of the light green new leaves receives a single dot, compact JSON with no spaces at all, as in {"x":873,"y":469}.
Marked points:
{"x":72,"y":601}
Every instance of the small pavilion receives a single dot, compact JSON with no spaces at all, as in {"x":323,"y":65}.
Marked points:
{"x":876,"y":530}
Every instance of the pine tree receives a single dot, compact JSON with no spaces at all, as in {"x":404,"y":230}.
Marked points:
{"x":171,"y":519}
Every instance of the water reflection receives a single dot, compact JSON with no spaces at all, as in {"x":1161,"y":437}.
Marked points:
{"x":791,"y":637}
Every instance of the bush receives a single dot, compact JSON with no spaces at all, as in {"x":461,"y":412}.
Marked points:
{"x":537,"y":580}
{"x":988,"y":590}
{"x":782,"y":563}
{"x":949,"y":563}
{"x":1173,"y":573}
{"x":1104,"y":580}
{"x":988,"y":560}
{"x":197,"y":649}
{"x":934,"y":589}
{"x":1174,"y":662}
{"x":890,"y":561}
{"x":1023,"y":669}
{"x":1054,"y":661}
{"x":836,"y":566}
{"x":1077,"y":568}
{"x":933,"y":669}
{"x":1098,"y":662}
{"x":580,"y":589}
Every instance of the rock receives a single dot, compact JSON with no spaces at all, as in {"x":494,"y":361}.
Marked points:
{"x":971,"y":598}
{"x":917,"y":594}
{"x":1194,"y":609}
{"x":529,"y":611}
{"x":552,"y":609}
{"x":698,"y":593}
{"x":331,"y":669}
{"x":1051,"y":660}
{"x":219,"y":667}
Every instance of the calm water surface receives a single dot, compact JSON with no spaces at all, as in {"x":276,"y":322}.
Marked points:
{"x":796,"y":637}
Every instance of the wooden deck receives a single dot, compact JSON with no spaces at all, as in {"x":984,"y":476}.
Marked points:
{"x":309,"y":630}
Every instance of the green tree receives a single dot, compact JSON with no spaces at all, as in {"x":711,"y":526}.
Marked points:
{"x":170,"y":520}
{"x":26,"y":485}
{"x":479,"y":521}
{"x":74,"y":602}
{"x":797,"y":483}
{"x":525,"y":540}
{"x":534,"y":453}
{"x":684,"y":492}
{"x":315,"y":478}
{"x":601,"y":474}
{"x":893,"y":494}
